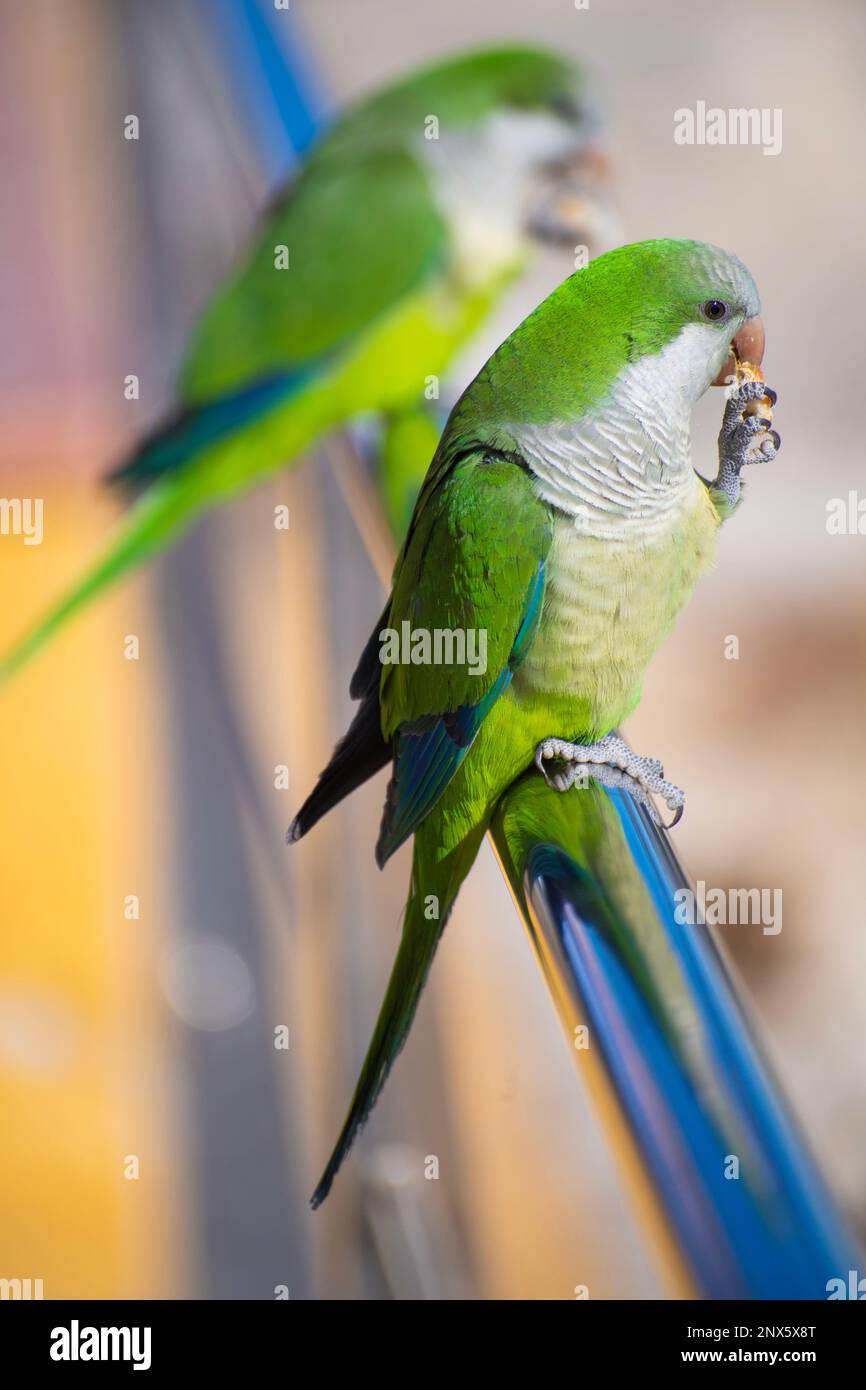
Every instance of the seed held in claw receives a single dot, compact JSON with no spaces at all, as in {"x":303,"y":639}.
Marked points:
{"x":763,"y":406}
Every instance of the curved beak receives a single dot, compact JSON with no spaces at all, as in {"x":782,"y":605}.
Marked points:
{"x":574,"y":206}
{"x":747,"y":345}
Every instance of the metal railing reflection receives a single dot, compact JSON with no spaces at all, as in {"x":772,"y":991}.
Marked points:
{"x":667,"y":1047}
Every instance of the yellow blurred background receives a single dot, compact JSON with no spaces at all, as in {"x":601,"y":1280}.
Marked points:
{"x":159,"y":1140}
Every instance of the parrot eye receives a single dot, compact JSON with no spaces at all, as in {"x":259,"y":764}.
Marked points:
{"x":715,"y":310}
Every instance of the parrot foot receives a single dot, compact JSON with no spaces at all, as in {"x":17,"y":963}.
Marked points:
{"x":744,"y":438}
{"x":612,"y":763}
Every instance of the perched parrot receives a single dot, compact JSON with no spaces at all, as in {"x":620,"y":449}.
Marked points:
{"x":561,"y":527}
{"x":374,"y":266}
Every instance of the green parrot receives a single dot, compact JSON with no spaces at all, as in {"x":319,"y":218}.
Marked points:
{"x":376,"y":264}
{"x":559,"y":531}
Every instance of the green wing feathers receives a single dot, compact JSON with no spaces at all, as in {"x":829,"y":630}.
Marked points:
{"x":477,"y":539}
{"x":345,"y":244}
{"x":470,"y":581}
{"x":475,"y":556}
{"x":273,"y":359}
{"x":169,"y":506}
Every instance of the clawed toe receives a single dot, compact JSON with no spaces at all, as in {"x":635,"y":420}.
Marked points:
{"x":675,"y":801}
{"x":612,"y":763}
{"x":744,"y":392}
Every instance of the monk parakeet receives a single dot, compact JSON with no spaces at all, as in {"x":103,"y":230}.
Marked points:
{"x":373,"y":267}
{"x":558,"y":533}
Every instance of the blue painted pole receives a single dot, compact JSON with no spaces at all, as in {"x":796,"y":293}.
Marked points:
{"x":602,"y":894}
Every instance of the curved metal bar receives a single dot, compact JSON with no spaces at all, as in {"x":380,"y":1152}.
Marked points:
{"x":668,"y":1040}
{"x":271,"y":75}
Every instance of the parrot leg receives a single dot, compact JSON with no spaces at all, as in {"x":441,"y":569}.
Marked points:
{"x":410,"y":440}
{"x":612,"y":763}
{"x":743,"y":439}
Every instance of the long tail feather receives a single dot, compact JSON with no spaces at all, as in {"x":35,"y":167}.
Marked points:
{"x":228,"y":465}
{"x":146,"y":528}
{"x":434,"y":887}
{"x":358,"y":755}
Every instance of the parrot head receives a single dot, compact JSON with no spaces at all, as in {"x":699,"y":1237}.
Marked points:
{"x":550,"y":115}
{"x":689,"y":302}
{"x":712,"y":299}
{"x":685,"y":309}
{"x":514,"y":139}
{"x":647,"y":326}
{"x":569,"y":203}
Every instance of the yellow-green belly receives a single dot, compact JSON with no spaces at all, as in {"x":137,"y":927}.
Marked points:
{"x":607,"y":607}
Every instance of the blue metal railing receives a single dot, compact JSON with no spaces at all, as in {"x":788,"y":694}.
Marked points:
{"x":598,"y":884}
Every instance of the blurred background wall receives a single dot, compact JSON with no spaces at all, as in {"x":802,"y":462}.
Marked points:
{"x":156,"y":1142}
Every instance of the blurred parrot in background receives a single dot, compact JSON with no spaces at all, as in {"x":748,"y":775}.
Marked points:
{"x":376,"y":264}
{"x":559,"y":531}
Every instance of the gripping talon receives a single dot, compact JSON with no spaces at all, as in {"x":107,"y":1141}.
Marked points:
{"x":744,"y":438}
{"x":611,"y":762}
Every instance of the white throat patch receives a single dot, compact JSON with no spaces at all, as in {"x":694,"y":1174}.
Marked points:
{"x":622,"y":469}
{"x":481,"y":179}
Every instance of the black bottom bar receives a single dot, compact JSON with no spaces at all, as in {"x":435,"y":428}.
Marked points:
{"x":221,"y":1338}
